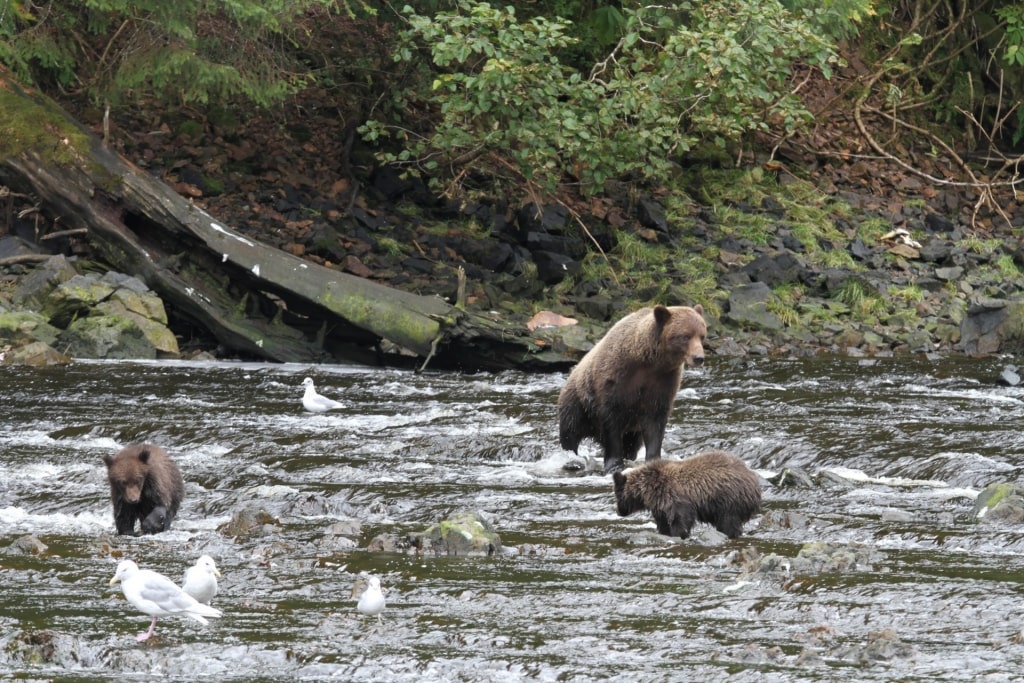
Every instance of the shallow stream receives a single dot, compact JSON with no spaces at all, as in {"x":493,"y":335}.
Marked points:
{"x":896,"y":449}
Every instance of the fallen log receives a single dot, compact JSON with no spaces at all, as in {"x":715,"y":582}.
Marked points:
{"x":253,"y":298}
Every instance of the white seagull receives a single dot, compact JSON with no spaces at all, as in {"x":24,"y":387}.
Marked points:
{"x":156,"y":595}
{"x":314,"y":402}
{"x":201,"y":580}
{"x":371,"y":602}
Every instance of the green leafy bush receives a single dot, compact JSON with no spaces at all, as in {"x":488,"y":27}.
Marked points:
{"x":683,"y":73}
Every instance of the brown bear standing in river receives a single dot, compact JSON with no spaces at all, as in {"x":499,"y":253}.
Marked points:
{"x":621,"y":393}
{"x":145,"y":486}
{"x":713,"y":487}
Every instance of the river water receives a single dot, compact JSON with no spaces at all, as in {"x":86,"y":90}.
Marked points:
{"x":913,"y":588}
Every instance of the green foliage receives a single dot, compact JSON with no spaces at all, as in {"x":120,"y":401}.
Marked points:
{"x":188,"y":51}
{"x":693,"y":71}
{"x":1013,"y":16}
{"x":838,"y":18}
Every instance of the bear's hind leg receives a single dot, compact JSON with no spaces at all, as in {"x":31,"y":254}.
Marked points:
{"x":730,"y":525}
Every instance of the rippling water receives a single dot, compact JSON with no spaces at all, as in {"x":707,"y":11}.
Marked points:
{"x":897,"y":449}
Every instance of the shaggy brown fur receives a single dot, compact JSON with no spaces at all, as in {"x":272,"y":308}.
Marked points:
{"x":145,"y":486}
{"x":621,"y":393}
{"x":713,"y":487}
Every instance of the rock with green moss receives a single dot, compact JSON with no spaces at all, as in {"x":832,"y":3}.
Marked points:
{"x":74,"y":298}
{"x":106,"y":336}
{"x":34,"y":288}
{"x":113,"y":316}
{"x":461,"y":534}
{"x":1000,"y":503}
{"x":153,"y":328}
{"x":23,"y":327}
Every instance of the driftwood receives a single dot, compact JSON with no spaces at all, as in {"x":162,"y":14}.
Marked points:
{"x":255,"y":299}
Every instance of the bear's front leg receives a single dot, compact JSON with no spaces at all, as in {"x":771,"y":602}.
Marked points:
{"x":156,"y":521}
{"x":683,"y":520}
{"x":124,"y":518}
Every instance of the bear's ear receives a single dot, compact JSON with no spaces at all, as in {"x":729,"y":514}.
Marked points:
{"x":699,"y":308}
{"x":619,"y":479}
{"x":108,"y":459}
{"x":144,"y":456}
{"x":661,"y":315}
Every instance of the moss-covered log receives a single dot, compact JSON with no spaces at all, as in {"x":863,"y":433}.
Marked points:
{"x":253,"y":298}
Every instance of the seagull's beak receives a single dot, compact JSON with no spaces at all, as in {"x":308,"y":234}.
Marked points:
{"x":216,"y":572}
{"x":113,"y":581}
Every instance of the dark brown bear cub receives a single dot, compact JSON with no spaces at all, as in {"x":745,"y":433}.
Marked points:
{"x":621,"y":393}
{"x":145,"y":486}
{"x":713,"y":487}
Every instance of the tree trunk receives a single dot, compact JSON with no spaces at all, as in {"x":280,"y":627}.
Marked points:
{"x":255,"y":299}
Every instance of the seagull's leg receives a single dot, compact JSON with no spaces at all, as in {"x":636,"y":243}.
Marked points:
{"x":145,"y":636}
{"x":380,"y":620}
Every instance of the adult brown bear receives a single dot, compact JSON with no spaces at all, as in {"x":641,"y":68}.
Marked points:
{"x":713,"y":487}
{"x":621,"y":393}
{"x":145,"y":486}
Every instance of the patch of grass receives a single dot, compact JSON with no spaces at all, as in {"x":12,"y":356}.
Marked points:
{"x":978,"y":245}
{"x":851,"y":293}
{"x":870,"y":230}
{"x":1007,"y":268}
{"x":390,"y":246}
{"x":838,"y":258}
{"x":911,"y":293}
{"x":634,"y":254}
{"x":785,"y":311}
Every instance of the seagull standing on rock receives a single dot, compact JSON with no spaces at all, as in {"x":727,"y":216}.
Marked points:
{"x":201,"y":580}
{"x":156,"y":595}
{"x":371,"y":602}
{"x":314,"y":402}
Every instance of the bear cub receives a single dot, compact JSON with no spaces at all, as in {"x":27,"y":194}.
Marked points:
{"x":714,"y":487}
{"x":621,"y":392}
{"x":145,"y":486}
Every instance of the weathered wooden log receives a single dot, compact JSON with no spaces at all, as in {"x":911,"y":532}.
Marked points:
{"x":254,"y":298}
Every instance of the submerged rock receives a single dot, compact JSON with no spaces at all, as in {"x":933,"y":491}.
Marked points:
{"x":813,"y":558}
{"x":792,"y":477}
{"x":1000,"y":502}
{"x":249,"y":521}
{"x":462,"y":533}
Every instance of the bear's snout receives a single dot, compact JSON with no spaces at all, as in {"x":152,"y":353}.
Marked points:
{"x":697,"y":361}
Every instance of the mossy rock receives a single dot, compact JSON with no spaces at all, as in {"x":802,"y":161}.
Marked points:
{"x":155,"y":331}
{"x":107,"y":336}
{"x":461,"y":534}
{"x":74,"y":298}
{"x":22,"y":327}
{"x":1000,"y":502}
{"x":35,"y":287}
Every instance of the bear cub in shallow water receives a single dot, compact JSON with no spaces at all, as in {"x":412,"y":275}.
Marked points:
{"x":145,"y":486}
{"x":621,"y":393}
{"x":714,"y":487}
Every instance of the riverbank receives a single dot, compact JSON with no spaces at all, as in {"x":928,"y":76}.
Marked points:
{"x":786,"y":260}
